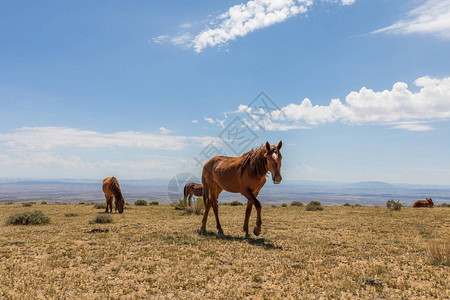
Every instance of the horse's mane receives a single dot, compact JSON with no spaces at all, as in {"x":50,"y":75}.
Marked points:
{"x":256,"y":160}
{"x":115,"y":189}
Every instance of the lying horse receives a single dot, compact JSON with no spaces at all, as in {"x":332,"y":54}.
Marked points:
{"x":424,"y":203}
{"x":192,"y":189}
{"x":245,"y":175}
{"x":111,"y":188}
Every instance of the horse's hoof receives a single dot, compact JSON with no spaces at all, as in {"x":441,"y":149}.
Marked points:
{"x":256,"y":231}
{"x":247,"y":235}
{"x":220,"y":232}
{"x":202,"y":231}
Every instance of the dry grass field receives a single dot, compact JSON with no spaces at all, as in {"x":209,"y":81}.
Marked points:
{"x":154,"y":252}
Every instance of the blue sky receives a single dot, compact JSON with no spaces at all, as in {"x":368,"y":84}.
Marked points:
{"x":138,"y":89}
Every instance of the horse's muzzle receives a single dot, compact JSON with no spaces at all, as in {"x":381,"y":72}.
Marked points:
{"x":277,"y":179}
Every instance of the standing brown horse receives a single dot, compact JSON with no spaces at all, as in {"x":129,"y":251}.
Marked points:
{"x":111,"y":188}
{"x":424,"y":203}
{"x":193,"y":189}
{"x":245,"y":175}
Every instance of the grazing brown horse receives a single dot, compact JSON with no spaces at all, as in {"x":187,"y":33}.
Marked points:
{"x":424,"y":203}
{"x":245,"y":175}
{"x":193,"y":189}
{"x":111,"y":188}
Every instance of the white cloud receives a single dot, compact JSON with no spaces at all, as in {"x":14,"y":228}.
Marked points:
{"x":397,"y":105}
{"x":209,"y":120}
{"x":195,"y":121}
{"x":186,"y":25}
{"x":414,"y":127}
{"x":432,"y":17}
{"x":348,"y":2}
{"x":160,"y":39}
{"x":240,"y":20}
{"x":46,"y":138}
{"x":164,"y":130}
{"x":184,"y":40}
{"x":244,"y":18}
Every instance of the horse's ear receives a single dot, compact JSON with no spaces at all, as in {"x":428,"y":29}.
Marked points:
{"x":267,"y":146}
{"x":279,"y":145}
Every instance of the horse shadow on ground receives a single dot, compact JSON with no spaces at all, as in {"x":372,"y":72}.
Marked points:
{"x":260,"y":242}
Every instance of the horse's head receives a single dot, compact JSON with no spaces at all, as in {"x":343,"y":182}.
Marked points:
{"x":119,"y":205}
{"x":430,"y":202}
{"x":273,"y":156}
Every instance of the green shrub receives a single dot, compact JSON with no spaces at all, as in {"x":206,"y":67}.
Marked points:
{"x":9,"y":203}
{"x":296,"y":203}
{"x":140,"y":203}
{"x":444,"y":205}
{"x":392,"y":205}
{"x":27,"y":204}
{"x":81,"y":203}
{"x":346,"y":204}
{"x":102,"y":219}
{"x":71,"y":215}
{"x":257,"y":278}
{"x":101,"y":205}
{"x":28,"y":218}
{"x":196,"y":209}
{"x":154,"y":203}
{"x":44,"y":202}
{"x":284,"y":205}
{"x":235,"y":203}
{"x":358,"y":205}
{"x":314,"y":205}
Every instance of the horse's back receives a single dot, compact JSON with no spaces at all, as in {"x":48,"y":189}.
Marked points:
{"x":107,"y":183}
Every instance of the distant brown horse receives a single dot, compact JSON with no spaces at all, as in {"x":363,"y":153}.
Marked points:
{"x":245,"y":175}
{"x":424,"y":203}
{"x":192,"y":189}
{"x":111,"y":188}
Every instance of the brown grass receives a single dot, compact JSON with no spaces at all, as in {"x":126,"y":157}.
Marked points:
{"x":154,"y":252}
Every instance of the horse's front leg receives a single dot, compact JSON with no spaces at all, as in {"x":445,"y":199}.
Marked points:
{"x":248,"y":212}
{"x":257,"y":229}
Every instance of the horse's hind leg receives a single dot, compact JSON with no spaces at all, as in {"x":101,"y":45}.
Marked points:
{"x":189,"y":199}
{"x":107,"y":203}
{"x":205,"y":216}
{"x":216,"y":213}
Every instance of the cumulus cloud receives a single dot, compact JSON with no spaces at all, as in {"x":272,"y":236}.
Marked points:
{"x":432,"y":17}
{"x":244,"y":18}
{"x":431,"y":102}
{"x":46,"y":138}
{"x":240,"y":20}
{"x":164,"y":130}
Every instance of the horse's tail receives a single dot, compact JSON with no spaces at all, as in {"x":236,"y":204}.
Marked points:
{"x":205,"y":190}
{"x":185,"y":191}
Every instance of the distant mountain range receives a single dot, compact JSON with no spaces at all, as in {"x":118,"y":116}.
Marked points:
{"x":329,"y":193}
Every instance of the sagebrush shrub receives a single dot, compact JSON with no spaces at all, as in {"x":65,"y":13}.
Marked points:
{"x":28,"y":218}
{"x":314,"y":205}
{"x":284,"y":205}
{"x":102,"y":219}
{"x":196,"y":209}
{"x":154,"y":203}
{"x":101,"y":205}
{"x":296,"y":203}
{"x":392,"y":205}
{"x":140,"y":203}
{"x":71,"y":214}
{"x":27,"y":204}
{"x":235,"y":203}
